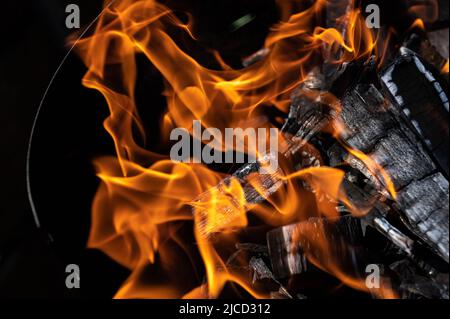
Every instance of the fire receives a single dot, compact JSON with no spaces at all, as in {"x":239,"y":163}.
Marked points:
{"x":323,"y":254}
{"x":375,"y":168}
{"x":418,"y":23}
{"x":145,"y":201}
{"x":222,"y":208}
{"x":445,"y":67}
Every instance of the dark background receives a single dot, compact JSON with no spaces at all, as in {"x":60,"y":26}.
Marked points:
{"x":33,"y":45}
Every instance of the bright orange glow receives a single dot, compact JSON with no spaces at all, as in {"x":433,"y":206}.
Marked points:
{"x":418,"y":23}
{"x":376,"y":169}
{"x":445,"y":67}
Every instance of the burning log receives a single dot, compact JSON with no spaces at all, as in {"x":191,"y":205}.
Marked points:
{"x":232,"y":202}
{"x":439,"y":40}
{"x":388,"y":139}
{"x":413,"y":286}
{"x":433,"y":48}
{"x":425,"y":206}
{"x":422,"y":100}
{"x":285,"y":261}
{"x":376,"y":128}
{"x":425,"y":105}
{"x":378,"y":211}
{"x":261,"y":271}
{"x":288,"y":255}
{"x":407,"y":136}
{"x":307,"y":117}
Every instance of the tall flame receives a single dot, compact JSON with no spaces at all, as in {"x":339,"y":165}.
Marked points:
{"x":145,"y":200}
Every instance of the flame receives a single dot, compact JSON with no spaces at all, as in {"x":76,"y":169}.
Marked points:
{"x":322,"y":253}
{"x":376,"y":169}
{"x":223,"y":208}
{"x":426,"y":10}
{"x":145,"y":201}
{"x":418,"y":23}
{"x":445,"y":68}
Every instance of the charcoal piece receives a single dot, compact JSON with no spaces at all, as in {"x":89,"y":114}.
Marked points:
{"x":402,"y":158}
{"x":261,"y":271}
{"x":248,"y":248}
{"x":391,"y":143}
{"x":365,"y":117}
{"x":374,"y":129}
{"x":367,"y":199}
{"x":412,"y":285}
{"x":252,"y":248}
{"x":347,"y":227}
{"x":426,"y":207}
{"x":392,"y":233}
{"x":280,"y":294}
{"x":307,"y":114}
{"x":306,"y":117}
{"x":430,"y":47}
{"x":289,"y":258}
{"x":439,"y":39}
{"x":285,"y":260}
{"x":314,"y":80}
{"x":231,"y":206}
{"x":370,"y":123}
{"x":422,"y":99}
{"x":269,"y":184}
{"x":423,"y":286}
{"x":363,"y":197}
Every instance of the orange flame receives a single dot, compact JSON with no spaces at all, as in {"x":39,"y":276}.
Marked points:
{"x":445,"y":68}
{"x":140,"y":209}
